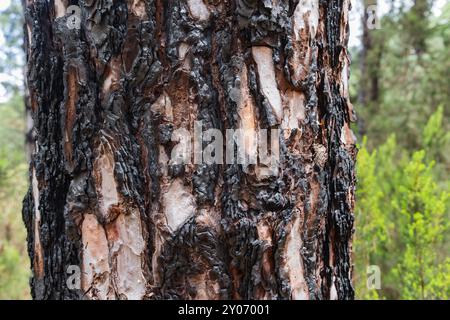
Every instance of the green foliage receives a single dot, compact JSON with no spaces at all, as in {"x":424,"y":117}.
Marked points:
{"x":13,"y":277}
{"x":409,"y":57}
{"x":11,"y":32}
{"x":433,"y":128}
{"x":402,"y":208}
{"x":14,"y":264}
{"x":437,"y":141}
{"x":11,"y":51}
{"x":422,"y":208}
{"x":402,"y":219}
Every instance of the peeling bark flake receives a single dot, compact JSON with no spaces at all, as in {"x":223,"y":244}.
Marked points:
{"x":266,"y":75}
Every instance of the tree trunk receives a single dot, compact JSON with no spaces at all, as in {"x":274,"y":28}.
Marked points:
{"x":369,"y":63}
{"x":369,"y":87}
{"x":105,"y":194}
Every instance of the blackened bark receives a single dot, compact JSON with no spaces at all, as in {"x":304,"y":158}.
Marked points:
{"x":106,"y":99}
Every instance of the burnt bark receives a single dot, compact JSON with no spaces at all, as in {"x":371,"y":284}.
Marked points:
{"x":106,"y":98}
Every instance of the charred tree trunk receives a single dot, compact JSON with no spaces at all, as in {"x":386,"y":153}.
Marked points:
{"x":104,"y":194}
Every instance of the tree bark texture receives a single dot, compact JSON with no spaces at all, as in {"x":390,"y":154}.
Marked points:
{"x":103,"y":195}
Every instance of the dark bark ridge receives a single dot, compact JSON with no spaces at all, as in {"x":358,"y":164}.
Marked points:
{"x":106,"y":99}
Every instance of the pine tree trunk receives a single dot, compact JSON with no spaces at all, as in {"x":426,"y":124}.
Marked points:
{"x":104,"y":195}
{"x":369,"y":63}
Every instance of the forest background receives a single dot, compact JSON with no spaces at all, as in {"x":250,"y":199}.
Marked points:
{"x":400,"y":86}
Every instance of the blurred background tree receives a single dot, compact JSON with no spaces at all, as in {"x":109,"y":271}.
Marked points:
{"x":402,"y":93}
{"x":400,"y":85}
{"x":11,"y":52}
{"x":14,"y":264}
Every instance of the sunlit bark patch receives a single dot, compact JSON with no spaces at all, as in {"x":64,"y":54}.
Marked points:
{"x":306,"y":16}
{"x":96,"y":272}
{"x":266,"y":75}
{"x":348,"y":138}
{"x":183,"y":50}
{"x":60,"y":8}
{"x":38,"y":262}
{"x":198,"y":9}
{"x":30,"y":38}
{"x":294,"y":260}
{"x":305,"y":27}
{"x":333,"y":292}
{"x":294,"y":112}
{"x":106,"y":184}
{"x":247,"y":115}
{"x":138,"y":8}
{"x":265,"y":233}
{"x":126,"y":245}
{"x":179,"y":204}
{"x":72,"y":97}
